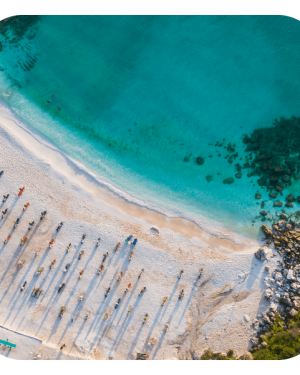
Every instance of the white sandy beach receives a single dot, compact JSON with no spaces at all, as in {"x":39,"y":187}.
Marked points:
{"x":215,"y":313}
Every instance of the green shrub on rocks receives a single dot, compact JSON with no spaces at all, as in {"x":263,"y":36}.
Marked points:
{"x":209,"y":355}
{"x":282,"y":342}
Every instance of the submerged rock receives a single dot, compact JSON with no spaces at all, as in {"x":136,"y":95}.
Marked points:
{"x":228,"y":181}
{"x":199,"y":160}
{"x":290,"y":198}
{"x":277,"y":204}
{"x":209,"y":178}
{"x":257,"y":196}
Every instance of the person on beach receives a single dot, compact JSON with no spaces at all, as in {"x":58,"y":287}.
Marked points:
{"x":104,"y":257}
{"x":119,"y":277}
{"x":118,"y":302}
{"x":164,"y":301}
{"x":117,"y":245}
{"x":80,"y":274}
{"x":52,"y":264}
{"x":145,"y":318}
{"x":129,"y":310}
{"x":101,"y":269}
{"x":69,"y":247}
{"x":16,"y":223}
{"x":181,"y":294}
{"x":43,"y":214}
{"x":25,"y":206}
{"x":106,"y":315}
{"x":59,"y":227}
{"x":1,"y":173}
{"x":5,"y":197}
{"x":107,"y":292}
{"x":128,"y":238}
{"x":51,"y":244}
{"x":66,"y":267}
{"x":63,"y":346}
{"x":142,"y":291}
{"x":80,"y":254}
{"x":23,"y":241}
{"x":83,"y":238}
{"x":130,"y":256}
{"x":139,"y":276}
{"x":4,"y":213}
{"x":5,"y":241}
{"x":98,"y":242}
{"x":21,"y":190}
{"x":134,"y":242}
{"x":31,"y":225}
{"x":181,"y":272}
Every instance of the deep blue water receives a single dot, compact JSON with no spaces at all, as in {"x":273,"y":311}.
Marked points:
{"x":138,"y":94}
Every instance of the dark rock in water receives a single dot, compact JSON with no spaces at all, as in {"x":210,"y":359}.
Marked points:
{"x":253,"y":147}
{"x":290,"y":198}
{"x":262,"y":182}
{"x":283,"y":216}
{"x":289,"y":204}
{"x":209,"y":178}
{"x":267,"y":231}
{"x":263,"y":213}
{"x":199,"y":160}
{"x":277,"y":204}
{"x":286,"y":178}
{"x":272,"y":195}
{"x":298,"y":199}
{"x":228,"y":181}
{"x":186,"y":159}
{"x":258,"y":196}
{"x":279,"y":188}
{"x":296,"y":176}
{"x":246,"y":139}
{"x":238,"y":175}
{"x":279,"y":170}
{"x":262,"y":205}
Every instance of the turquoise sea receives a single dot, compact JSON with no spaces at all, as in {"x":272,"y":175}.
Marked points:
{"x":138,"y":95}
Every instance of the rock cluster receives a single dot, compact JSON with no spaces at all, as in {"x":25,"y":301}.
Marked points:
{"x":283,"y":285}
{"x":274,"y":154}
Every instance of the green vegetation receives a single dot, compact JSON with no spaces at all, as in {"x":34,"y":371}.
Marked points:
{"x":283,"y":340}
{"x":209,"y":355}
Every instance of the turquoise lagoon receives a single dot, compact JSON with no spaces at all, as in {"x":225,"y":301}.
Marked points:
{"x":141,"y":94}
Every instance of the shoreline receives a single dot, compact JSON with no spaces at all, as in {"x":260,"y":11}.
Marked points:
{"x":213,"y":235}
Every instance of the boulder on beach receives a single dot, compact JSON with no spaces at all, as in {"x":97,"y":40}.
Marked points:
{"x":199,"y":160}
{"x":262,"y":253}
{"x":154,"y":230}
{"x":277,"y":204}
{"x":228,"y":181}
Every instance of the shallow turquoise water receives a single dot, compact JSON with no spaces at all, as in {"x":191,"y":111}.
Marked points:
{"x":138,"y":94}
